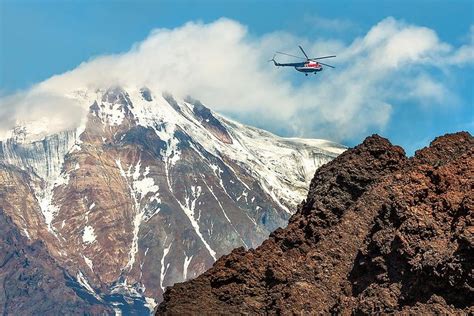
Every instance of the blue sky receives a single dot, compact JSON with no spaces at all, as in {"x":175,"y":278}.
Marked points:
{"x":39,"y":39}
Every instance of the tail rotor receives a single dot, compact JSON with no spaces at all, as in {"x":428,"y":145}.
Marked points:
{"x":274,"y":61}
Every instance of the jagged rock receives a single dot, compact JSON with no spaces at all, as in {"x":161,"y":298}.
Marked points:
{"x":378,"y":233}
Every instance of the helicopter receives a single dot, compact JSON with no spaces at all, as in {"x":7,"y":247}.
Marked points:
{"x":310,"y":65}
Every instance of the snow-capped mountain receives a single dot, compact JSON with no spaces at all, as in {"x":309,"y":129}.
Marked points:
{"x":150,"y":191}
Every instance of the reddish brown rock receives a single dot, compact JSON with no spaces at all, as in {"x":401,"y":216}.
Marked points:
{"x":32,"y":283}
{"x":378,"y":233}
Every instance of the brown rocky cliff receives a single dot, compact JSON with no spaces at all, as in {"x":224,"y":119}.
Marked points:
{"x":378,"y":233}
{"x":32,"y":283}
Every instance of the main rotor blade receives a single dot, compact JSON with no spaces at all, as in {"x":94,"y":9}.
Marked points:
{"x":315,"y":58}
{"x":303,"y":52}
{"x":327,"y":65}
{"x":290,"y":55}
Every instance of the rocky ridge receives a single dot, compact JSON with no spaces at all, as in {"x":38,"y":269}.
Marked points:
{"x":378,"y":233}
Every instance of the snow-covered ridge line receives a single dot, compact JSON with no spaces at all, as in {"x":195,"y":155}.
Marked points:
{"x":262,"y":152}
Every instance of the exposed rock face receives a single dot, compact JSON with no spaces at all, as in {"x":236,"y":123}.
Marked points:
{"x":148,"y":177}
{"x":31,"y":281}
{"x":378,"y":233}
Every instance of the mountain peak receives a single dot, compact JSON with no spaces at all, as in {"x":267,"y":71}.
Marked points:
{"x":116,"y":95}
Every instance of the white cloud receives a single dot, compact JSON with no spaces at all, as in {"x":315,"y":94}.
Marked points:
{"x":465,"y":54}
{"x":225,"y":67}
{"x":41,"y":112}
{"x":429,"y":91}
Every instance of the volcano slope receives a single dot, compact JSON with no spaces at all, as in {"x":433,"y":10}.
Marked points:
{"x":32,"y":283}
{"x":378,"y":233}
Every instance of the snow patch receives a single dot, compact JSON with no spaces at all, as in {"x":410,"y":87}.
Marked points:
{"x":63,"y":179}
{"x":145,"y":185}
{"x":89,"y":263}
{"x":272,"y":195}
{"x":111,"y":114}
{"x":83,"y":282}
{"x":88,"y":236}
{"x":26,"y":233}
{"x":163,"y":268}
{"x":187,"y":261}
{"x":48,"y":209}
{"x":189,"y":210}
{"x":150,"y":303}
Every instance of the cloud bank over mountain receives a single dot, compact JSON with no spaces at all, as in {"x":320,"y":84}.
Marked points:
{"x":224,"y":65}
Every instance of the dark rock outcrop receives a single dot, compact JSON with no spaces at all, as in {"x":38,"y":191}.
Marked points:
{"x":378,"y":233}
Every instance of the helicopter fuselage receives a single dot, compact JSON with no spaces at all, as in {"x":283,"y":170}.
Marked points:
{"x":309,"y":67}
{"x":304,"y":67}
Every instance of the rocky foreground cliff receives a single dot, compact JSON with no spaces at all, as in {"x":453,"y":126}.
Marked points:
{"x":378,"y":233}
